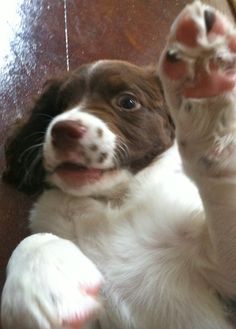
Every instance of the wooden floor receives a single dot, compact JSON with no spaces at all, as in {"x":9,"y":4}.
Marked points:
{"x":40,"y":38}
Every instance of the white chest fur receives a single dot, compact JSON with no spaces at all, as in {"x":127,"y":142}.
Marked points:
{"x":135,"y":245}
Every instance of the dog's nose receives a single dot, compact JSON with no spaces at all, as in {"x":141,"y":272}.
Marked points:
{"x":65,"y":134}
{"x":209,"y":17}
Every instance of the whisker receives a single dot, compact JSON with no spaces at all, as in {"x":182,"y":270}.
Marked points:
{"x":30,"y":152}
{"x":121,"y":151}
{"x":45,"y":115}
{"x":124,"y":149}
{"x":116,"y":160}
{"x":32,"y":147}
{"x":40,"y":133}
{"x":32,"y":166}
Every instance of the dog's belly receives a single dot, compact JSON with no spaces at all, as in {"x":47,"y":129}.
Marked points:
{"x":138,"y":247}
{"x":142,"y":263}
{"x":141,"y":256}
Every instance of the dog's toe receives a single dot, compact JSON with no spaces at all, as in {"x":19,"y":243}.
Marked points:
{"x":199,"y":60}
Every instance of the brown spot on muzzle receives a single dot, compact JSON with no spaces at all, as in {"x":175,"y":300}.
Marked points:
{"x":99,"y":132}
{"x":102,"y":157}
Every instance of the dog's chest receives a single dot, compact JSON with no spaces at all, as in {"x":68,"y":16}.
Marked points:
{"x":127,"y":243}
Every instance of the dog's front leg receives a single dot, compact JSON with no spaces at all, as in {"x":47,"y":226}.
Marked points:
{"x":50,"y":285}
{"x":198,"y":72}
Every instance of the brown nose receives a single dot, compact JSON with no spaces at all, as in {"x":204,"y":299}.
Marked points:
{"x":65,"y":134}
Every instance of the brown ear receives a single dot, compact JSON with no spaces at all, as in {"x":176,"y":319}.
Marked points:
{"x":170,"y":127}
{"x":23,"y":150}
{"x":166,"y":109}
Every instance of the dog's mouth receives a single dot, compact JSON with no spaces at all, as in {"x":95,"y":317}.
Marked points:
{"x":78,"y":174}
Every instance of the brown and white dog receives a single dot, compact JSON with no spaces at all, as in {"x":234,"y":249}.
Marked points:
{"x":122,"y":238}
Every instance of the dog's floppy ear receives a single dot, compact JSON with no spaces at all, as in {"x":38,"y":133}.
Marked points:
{"x":23,"y":150}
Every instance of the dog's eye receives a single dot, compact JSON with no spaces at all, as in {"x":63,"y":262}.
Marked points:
{"x":128,"y":102}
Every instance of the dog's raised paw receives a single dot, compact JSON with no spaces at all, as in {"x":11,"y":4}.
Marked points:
{"x":50,"y":285}
{"x":200,"y":56}
{"x":198,"y":72}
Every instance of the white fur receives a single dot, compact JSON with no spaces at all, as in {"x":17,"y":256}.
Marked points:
{"x":163,"y":259}
{"x":53,"y":294}
{"x":146,"y":251}
{"x":106,"y":143}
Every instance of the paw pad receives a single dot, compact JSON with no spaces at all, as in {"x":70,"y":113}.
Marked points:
{"x":200,"y":57}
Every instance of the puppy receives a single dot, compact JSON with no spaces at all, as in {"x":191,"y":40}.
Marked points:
{"x":87,"y":138}
{"x":122,"y":237}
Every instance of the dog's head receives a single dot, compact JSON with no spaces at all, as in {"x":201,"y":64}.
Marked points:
{"x":90,"y":130}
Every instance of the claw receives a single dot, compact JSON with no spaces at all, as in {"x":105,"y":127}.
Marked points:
{"x":209,"y":17}
{"x":172,"y":56}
